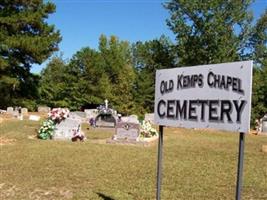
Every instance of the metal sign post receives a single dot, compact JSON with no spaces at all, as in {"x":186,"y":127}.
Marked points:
{"x":159,"y":166}
{"x":240,"y":166}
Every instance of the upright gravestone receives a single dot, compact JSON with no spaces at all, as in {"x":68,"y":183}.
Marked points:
{"x":24,"y":111}
{"x":105,"y":120}
{"x":9,"y":110}
{"x":127,"y":131}
{"x":66,"y":129}
{"x":75,"y":116}
{"x":90,"y":113}
{"x":150,"y":117}
{"x":133,"y":119}
{"x":44,"y":109}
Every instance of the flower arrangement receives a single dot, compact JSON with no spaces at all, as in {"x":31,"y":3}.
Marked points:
{"x":55,"y":116}
{"x":58,"y":114}
{"x":47,"y":129}
{"x":78,"y":135}
{"x":103,"y":110}
{"x":147,"y":130}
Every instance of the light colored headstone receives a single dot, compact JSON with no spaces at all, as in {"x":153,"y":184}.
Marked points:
{"x":44,"y":109}
{"x":79,"y":116}
{"x":2,"y":111}
{"x":150,"y":117}
{"x":75,"y":116}
{"x":34,"y":118}
{"x":133,"y":119}
{"x":66,"y":129}
{"x":15,"y":113}
{"x":24,"y":111}
{"x":264,"y":126}
{"x":9,"y":110}
{"x":127,"y":131}
{"x":90,"y":113}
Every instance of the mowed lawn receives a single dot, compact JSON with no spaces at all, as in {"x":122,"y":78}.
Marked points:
{"x":196,"y":165}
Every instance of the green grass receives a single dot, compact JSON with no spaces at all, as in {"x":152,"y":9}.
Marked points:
{"x":196,"y":165}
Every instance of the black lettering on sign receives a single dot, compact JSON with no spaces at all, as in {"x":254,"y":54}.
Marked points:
{"x":209,"y":79}
{"x":161,"y":103}
{"x":170,"y":108}
{"x":192,"y":110}
{"x":200,"y":80}
{"x":213,"y":110}
{"x":239,"y":109}
{"x":226,"y":109}
{"x":181,"y":110}
{"x":166,"y":86}
{"x":202,"y":104}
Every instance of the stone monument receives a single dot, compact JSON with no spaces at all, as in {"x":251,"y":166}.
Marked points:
{"x":127,"y":131}
{"x":67,"y":129}
{"x":105,"y":118}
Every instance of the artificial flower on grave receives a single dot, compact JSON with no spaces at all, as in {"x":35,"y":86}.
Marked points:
{"x":58,"y":114}
{"x":55,"y":116}
{"x":146,"y":130}
{"x":77,"y":135}
{"x":103,"y":110}
{"x":47,"y":129}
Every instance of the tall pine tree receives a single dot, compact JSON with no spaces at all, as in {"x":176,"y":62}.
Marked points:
{"x":25,"y":39}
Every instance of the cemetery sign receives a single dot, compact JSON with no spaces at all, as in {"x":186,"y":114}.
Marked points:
{"x":208,"y":96}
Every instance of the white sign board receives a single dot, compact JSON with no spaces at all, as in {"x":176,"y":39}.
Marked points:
{"x":207,"y":96}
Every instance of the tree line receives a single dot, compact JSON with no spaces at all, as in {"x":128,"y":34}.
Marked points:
{"x":206,"y":32}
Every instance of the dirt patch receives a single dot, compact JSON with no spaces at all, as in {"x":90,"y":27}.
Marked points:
{"x":6,"y":141}
{"x":10,"y":191}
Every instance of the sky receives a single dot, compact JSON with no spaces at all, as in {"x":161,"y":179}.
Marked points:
{"x":81,"y":22}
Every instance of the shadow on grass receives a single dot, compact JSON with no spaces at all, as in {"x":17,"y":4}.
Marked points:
{"x":104,"y":197}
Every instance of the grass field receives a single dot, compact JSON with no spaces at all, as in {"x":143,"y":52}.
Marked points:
{"x":196,"y":165}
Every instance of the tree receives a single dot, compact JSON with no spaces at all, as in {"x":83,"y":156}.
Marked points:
{"x":54,"y":84}
{"x":25,"y":39}
{"x":258,"y":45}
{"x":86,"y":67}
{"x":148,"y":57}
{"x":118,"y":67}
{"x":211,"y":31}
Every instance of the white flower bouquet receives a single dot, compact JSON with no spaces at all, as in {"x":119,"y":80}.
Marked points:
{"x":147,"y":130}
{"x":47,"y":129}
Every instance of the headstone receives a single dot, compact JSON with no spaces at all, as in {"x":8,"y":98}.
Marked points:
{"x":90,"y":113}
{"x":9,"y":110}
{"x":16,"y":114}
{"x":150,"y":117}
{"x":44,"y":109}
{"x":75,"y":116}
{"x":66,"y":129}
{"x":34,"y":117}
{"x":263,"y":125}
{"x":24,"y":111}
{"x":133,"y":119}
{"x":127,"y":131}
{"x":79,"y":113}
{"x":2,"y":111}
{"x":105,"y":120}
{"x":79,"y":116}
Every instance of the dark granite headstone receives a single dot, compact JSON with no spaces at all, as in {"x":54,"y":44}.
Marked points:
{"x":105,"y":120}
